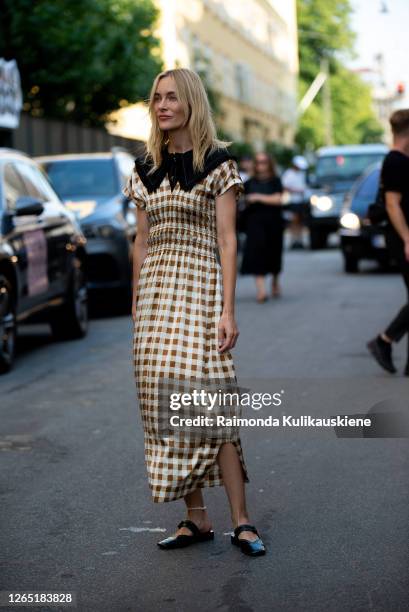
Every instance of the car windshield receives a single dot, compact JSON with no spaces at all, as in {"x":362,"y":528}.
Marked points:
{"x":365,"y":193}
{"x":344,"y":167}
{"x":82,"y":177}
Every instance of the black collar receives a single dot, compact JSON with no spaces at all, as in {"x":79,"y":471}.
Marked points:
{"x":179,"y":167}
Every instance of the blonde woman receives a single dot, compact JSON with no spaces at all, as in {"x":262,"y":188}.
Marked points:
{"x":185,"y":189}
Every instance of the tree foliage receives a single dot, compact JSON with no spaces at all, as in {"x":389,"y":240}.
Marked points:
{"x":81,"y":59}
{"x":325,"y":32}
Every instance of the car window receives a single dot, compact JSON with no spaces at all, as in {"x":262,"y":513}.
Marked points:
{"x":27,"y":172}
{"x":14,"y":187}
{"x":125,"y":165}
{"x":82,"y":177}
{"x":345,"y":167}
{"x":366,"y":193}
{"x":42,"y":184}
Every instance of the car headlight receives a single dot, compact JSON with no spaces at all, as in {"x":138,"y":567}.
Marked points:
{"x":323,"y":203}
{"x":106,"y":231}
{"x":98,"y":231}
{"x":350,"y":221}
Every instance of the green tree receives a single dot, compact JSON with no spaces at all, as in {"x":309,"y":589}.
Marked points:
{"x":325,"y":32}
{"x":81,"y":59}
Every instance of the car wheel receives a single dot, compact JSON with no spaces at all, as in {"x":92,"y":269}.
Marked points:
{"x":318,"y":239}
{"x":8,"y":326}
{"x":351,"y":264}
{"x":71,"y":320}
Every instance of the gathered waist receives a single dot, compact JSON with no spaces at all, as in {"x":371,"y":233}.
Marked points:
{"x":175,"y":240}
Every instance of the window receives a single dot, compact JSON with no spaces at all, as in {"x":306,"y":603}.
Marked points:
{"x":125,"y":166}
{"x":36,"y":182}
{"x":366,"y":193}
{"x":345,"y":167}
{"x":13,"y":186}
{"x":83,"y":177}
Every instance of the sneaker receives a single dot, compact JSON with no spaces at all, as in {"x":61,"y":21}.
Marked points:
{"x":382,"y":352}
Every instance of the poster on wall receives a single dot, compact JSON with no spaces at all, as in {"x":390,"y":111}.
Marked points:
{"x":11,"y":99}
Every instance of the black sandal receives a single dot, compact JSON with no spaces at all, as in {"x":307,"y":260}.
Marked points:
{"x":181,"y":541}
{"x":255,"y":548}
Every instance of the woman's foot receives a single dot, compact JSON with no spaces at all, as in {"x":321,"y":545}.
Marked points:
{"x":275,"y":288}
{"x":252,"y":547}
{"x":261,"y":297}
{"x":245,"y":535}
{"x":200,"y":518}
{"x":261,"y":289}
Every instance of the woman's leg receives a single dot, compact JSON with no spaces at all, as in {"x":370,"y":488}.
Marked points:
{"x":276,"y":290}
{"x":199,"y":517}
{"x":232,"y":474}
{"x":261,"y":287}
{"x":276,"y":256}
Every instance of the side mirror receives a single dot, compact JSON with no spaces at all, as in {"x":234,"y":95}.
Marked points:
{"x":127,"y":204}
{"x":313,"y":181}
{"x":28,"y":205}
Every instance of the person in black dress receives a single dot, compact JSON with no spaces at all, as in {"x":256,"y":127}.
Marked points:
{"x":264,"y":226}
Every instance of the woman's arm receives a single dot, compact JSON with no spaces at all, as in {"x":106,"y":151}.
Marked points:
{"x":227,"y":243}
{"x":273,"y":199}
{"x":140,"y":248}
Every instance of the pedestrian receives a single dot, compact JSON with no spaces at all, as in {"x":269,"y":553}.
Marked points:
{"x":264,"y":226}
{"x":186,"y":188}
{"x":394,"y":183}
{"x":295,"y":183}
{"x":246,"y":167}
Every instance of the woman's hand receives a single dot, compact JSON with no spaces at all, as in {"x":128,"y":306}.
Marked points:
{"x":134,"y":308}
{"x":254,"y":197}
{"x":227,"y":333}
{"x":407,"y":249}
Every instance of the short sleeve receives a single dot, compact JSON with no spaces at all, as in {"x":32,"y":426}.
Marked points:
{"x":134,"y":190}
{"x":392,"y":175}
{"x":225,"y":176}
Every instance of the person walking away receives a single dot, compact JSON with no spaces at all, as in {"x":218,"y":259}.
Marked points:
{"x":294,"y":182}
{"x":264,"y":226}
{"x":395,"y":187}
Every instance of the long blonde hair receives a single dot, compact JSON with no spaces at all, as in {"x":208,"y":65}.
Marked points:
{"x":198,"y":116}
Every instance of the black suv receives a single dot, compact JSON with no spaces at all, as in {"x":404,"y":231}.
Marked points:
{"x":337,"y":168}
{"x":42,"y":256}
{"x":90,"y":185}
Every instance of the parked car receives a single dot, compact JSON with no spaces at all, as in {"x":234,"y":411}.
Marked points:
{"x":90,"y":184}
{"x":360,"y":239}
{"x":42,"y":257}
{"x":337,"y":168}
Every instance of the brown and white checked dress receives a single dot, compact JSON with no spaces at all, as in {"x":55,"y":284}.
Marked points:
{"x":178,"y":308}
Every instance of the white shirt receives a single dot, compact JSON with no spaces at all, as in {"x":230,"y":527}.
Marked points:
{"x":294,"y":181}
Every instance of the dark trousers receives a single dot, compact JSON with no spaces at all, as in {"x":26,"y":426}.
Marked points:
{"x":400,"y":324}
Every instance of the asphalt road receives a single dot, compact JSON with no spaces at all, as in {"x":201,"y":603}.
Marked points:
{"x":76,"y":511}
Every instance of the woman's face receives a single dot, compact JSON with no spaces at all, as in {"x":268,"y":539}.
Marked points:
{"x":167,"y":107}
{"x":262,"y":164}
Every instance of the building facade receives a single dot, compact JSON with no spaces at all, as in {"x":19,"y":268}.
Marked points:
{"x":247,"y":53}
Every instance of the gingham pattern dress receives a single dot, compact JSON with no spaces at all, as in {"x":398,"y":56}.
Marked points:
{"x":178,"y":306}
